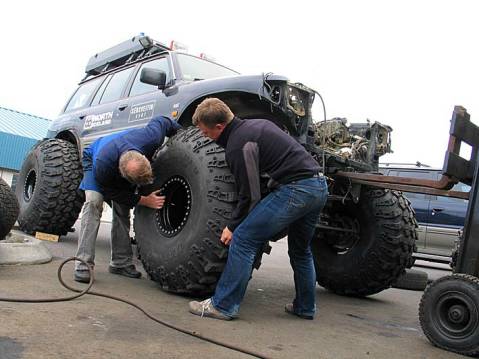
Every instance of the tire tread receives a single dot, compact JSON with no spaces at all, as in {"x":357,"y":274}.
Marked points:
{"x":55,"y":207}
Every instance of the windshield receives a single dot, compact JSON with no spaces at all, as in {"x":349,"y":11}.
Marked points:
{"x":194,"y":68}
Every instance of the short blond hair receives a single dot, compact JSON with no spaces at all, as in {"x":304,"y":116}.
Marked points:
{"x":136,"y":168}
{"x":211,"y":112}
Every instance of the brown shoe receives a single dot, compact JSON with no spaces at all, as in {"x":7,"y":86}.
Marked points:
{"x":289,"y":308}
{"x":206,"y":309}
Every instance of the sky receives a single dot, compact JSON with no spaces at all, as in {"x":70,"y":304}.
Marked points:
{"x":403,"y":63}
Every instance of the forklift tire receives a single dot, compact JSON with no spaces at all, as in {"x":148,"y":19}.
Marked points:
{"x":376,"y":249}
{"x":8,"y":209}
{"x":449,"y":313}
{"x":47,"y":188}
{"x":411,"y":279}
{"x":179,"y":244}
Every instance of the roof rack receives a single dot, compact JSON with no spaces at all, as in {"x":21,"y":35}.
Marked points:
{"x":126,"y":52}
{"x":392,"y":164}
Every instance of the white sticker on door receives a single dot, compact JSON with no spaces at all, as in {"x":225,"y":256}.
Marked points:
{"x":142,"y":111}
{"x":101,"y":119}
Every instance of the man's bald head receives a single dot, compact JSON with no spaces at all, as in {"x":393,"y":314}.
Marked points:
{"x":136,"y":168}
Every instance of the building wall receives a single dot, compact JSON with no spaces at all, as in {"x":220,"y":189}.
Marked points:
{"x":14,"y":149}
{"x":7,"y":175}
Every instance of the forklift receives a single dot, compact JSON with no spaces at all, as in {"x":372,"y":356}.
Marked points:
{"x":449,"y":307}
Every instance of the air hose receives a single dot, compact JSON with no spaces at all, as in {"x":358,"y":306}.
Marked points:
{"x":162,"y":322}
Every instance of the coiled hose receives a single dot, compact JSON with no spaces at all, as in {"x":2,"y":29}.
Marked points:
{"x":162,"y":322}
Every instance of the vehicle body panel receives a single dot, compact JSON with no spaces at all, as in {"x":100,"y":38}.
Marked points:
{"x":92,"y":121}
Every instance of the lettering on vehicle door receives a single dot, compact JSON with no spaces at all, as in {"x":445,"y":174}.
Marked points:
{"x":101,"y":119}
{"x":142,"y":111}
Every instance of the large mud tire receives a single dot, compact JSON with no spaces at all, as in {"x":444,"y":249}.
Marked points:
{"x":371,"y":260}
{"x":8,"y":209}
{"x":47,"y":188}
{"x":179,"y":245}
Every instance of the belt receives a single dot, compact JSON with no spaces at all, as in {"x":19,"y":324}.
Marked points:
{"x":302,"y":177}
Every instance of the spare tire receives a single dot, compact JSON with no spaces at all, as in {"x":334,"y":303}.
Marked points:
{"x":411,"y":279}
{"x":179,"y":245}
{"x":374,"y":249}
{"x":47,"y":188}
{"x":8,"y":209}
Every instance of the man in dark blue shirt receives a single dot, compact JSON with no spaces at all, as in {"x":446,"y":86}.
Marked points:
{"x":256,"y":148}
{"x":113,"y":167}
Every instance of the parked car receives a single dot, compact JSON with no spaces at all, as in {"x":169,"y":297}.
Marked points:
{"x":440,"y":218}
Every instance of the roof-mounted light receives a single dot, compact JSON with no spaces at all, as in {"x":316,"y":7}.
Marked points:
{"x":145,"y":41}
{"x":178,"y":46}
{"x":207,"y":57}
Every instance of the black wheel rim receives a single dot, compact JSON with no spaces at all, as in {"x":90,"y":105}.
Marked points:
{"x":342,"y":241}
{"x":29,"y":187}
{"x":456,"y":315}
{"x":174,"y":215}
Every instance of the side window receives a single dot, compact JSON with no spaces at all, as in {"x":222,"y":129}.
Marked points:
{"x":430,"y":175}
{"x":82,"y":94}
{"x":139,"y":87}
{"x":411,"y":195}
{"x":448,"y":202}
{"x":414,"y":174}
{"x":115,"y":87}
{"x":99,"y":93}
{"x":461,"y":187}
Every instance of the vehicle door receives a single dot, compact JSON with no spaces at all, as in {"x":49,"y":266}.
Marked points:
{"x":447,"y":217}
{"x":419,"y":201}
{"x":145,"y":100}
{"x":108,"y":111}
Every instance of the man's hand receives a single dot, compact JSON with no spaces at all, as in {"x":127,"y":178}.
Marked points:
{"x":226,"y":236}
{"x":153,"y":200}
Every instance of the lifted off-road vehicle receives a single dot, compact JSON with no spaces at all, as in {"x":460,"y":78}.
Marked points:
{"x":365,"y":235}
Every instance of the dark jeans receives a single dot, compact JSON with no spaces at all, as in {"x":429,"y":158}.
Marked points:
{"x":295,"y":206}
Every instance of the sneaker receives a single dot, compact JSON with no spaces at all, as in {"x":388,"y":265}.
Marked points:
{"x":289,"y":308}
{"x":206,"y":309}
{"x":128,"y":271}
{"x":82,"y":276}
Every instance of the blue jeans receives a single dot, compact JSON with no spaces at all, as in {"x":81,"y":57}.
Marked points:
{"x":295,"y":206}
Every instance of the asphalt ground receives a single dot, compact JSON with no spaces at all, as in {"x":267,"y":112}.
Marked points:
{"x":384,"y":325}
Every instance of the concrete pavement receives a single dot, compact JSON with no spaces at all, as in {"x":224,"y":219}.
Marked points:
{"x":19,"y":248}
{"x":382,"y":326}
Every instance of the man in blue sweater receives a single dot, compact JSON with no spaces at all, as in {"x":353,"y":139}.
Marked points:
{"x":257,"y":148}
{"x":113,"y":168}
